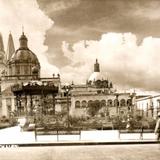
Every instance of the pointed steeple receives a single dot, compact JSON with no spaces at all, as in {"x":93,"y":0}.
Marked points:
{"x":10,"y":48}
{"x":1,"y":43}
{"x":96,"y":66}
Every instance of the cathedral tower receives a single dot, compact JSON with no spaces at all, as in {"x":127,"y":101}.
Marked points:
{"x":2,"y":54}
{"x":1,"y":43}
{"x":1,"y":49}
{"x":10,"y":48}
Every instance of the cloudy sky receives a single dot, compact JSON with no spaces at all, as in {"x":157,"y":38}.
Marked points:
{"x":69,"y":35}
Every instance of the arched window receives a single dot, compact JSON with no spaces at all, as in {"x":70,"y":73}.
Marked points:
{"x":129,"y":102}
{"x":109,"y":102}
{"x":98,"y":83}
{"x":90,"y":102}
{"x":122,"y":102}
{"x":77,"y":104}
{"x":105,"y":83}
{"x":84,"y":104}
{"x":17,"y":69}
{"x":26,"y":70}
{"x":116,"y":102}
{"x":103,"y":103}
{"x":97,"y":103}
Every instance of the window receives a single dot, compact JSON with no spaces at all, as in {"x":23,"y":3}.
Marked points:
{"x":8,"y":101}
{"x":77,"y":104}
{"x":103,"y":103}
{"x":109,"y":102}
{"x":97,"y":103}
{"x":17,"y":69}
{"x":122,"y":102}
{"x":122,"y":112}
{"x":9,"y":110}
{"x":90,"y":103}
{"x":129,"y":102}
{"x":26,"y":70}
{"x":116,"y":102}
{"x":84,"y":104}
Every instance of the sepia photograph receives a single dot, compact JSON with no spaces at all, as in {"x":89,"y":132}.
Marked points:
{"x":79,"y":79}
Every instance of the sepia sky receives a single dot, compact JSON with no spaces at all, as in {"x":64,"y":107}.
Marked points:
{"x":69,"y":35}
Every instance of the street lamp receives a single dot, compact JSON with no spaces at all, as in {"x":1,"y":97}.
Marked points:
{"x":67,"y":89}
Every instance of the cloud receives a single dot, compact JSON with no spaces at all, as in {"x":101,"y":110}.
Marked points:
{"x":89,"y":19}
{"x":60,"y":5}
{"x":127,"y":64}
{"x":16,"y":13}
{"x":148,"y":10}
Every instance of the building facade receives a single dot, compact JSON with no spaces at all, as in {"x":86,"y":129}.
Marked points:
{"x":99,"y":98}
{"x":148,"y":106}
{"x":21,"y":67}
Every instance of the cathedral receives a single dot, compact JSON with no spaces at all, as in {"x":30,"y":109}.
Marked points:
{"x":21,"y":67}
{"x":23,"y":90}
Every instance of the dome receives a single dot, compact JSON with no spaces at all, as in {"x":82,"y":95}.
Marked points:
{"x":23,"y":61}
{"x":96,"y":76}
{"x":24,"y":56}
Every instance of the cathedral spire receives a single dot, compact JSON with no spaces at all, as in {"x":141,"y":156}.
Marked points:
{"x":1,"y":43}
{"x":22,"y":30}
{"x":10,"y":47}
{"x":96,"y":66}
{"x":23,"y":40}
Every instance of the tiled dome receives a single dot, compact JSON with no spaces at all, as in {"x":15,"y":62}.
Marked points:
{"x":24,"y":56}
{"x":24,"y":62}
{"x":96,"y":76}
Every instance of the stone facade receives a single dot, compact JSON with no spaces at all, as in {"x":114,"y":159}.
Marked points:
{"x":148,"y":106}
{"x":98,"y":93}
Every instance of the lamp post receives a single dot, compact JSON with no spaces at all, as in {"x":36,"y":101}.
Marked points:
{"x":67,"y":89}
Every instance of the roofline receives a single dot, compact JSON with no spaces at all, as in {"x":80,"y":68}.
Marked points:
{"x":149,"y":97}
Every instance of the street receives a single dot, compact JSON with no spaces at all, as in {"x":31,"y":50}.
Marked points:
{"x":102,"y":152}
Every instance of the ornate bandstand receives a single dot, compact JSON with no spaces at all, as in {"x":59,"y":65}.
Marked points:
{"x":35,"y":96}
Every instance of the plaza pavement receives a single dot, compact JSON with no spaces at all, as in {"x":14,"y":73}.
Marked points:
{"x":92,"y":152}
{"x":14,"y":135}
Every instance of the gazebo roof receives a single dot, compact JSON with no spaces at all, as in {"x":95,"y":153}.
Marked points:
{"x":35,"y":88}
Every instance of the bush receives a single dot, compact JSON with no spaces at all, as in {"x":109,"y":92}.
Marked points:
{"x":75,"y":121}
{"x":13,"y":121}
{"x":152,"y":124}
{"x":4,"y":119}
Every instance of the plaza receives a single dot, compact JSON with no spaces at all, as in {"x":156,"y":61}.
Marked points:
{"x":94,"y":152}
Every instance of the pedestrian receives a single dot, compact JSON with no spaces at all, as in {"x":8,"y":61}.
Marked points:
{"x":157,"y":128}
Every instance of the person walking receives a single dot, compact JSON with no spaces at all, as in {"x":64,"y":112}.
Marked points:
{"x":157,"y":128}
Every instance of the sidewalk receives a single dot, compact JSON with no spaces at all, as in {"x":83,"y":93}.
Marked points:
{"x":14,"y":135}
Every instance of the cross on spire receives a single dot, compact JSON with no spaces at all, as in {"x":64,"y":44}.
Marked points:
{"x":22,"y":30}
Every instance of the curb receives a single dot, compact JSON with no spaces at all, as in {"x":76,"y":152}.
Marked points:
{"x":36,"y":144}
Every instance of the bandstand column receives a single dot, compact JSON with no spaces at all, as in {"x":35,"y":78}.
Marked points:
{"x":31,"y":105}
{"x":53,"y":98}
